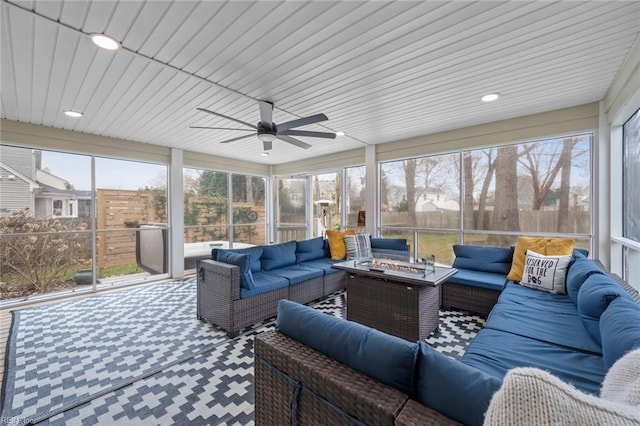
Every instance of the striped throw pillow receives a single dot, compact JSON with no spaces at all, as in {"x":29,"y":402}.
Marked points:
{"x":358,"y":246}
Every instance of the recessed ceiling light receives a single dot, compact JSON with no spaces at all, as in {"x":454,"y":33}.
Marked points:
{"x":339,"y":134}
{"x":265,"y":154}
{"x":490,"y":97}
{"x":104,"y":41}
{"x":74,"y":114}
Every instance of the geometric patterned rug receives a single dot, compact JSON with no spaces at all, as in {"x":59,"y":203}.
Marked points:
{"x":139,"y":356}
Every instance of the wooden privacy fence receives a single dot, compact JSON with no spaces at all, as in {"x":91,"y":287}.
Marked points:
{"x":530,"y":220}
{"x":119,"y":209}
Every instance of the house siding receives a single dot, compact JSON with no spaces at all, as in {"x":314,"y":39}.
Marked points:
{"x":16,"y":194}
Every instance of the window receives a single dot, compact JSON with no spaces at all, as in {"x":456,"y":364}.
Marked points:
{"x":249,"y":209}
{"x":131,"y":205}
{"x":326,"y":202}
{"x":205,"y":206}
{"x":57,"y":207}
{"x":630,"y":178}
{"x":42,"y":247}
{"x":49,"y":220}
{"x":420,"y":194}
{"x":490,"y":196}
{"x":355,"y":197}
{"x":541,"y":187}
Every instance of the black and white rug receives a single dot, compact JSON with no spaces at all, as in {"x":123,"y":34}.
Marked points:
{"x":140,"y":356}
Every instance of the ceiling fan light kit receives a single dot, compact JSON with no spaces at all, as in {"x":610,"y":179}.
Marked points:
{"x":267,"y":131}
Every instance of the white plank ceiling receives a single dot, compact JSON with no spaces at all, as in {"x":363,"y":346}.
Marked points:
{"x":381,"y":71}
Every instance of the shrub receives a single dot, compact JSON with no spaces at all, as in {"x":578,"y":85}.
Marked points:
{"x":42,"y":251}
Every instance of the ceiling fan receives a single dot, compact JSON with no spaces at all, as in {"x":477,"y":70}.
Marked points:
{"x":268,"y":131}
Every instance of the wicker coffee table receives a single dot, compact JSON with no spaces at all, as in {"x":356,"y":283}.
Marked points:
{"x":398,"y":298}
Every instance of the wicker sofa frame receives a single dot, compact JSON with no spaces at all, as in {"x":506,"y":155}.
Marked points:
{"x":219,"y":302}
{"x":295,"y":384}
{"x":468,"y":298}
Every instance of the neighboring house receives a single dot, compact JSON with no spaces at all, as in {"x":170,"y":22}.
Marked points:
{"x":57,"y":199}
{"x":435,"y":200}
{"x":295,"y":188}
{"x":16,"y":190}
{"x":17,"y":179}
{"x":24,"y":186}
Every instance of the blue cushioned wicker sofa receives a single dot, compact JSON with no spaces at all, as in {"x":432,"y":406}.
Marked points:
{"x":238,"y":288}
{"x":320,"y":369}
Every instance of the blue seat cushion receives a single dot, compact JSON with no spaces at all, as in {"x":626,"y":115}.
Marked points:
{"x":594,"y":296}
{"x":309,"y":249}
{"x":297,"y":273}
{"x":323,"y":263}
{"x":243,"y":261}
{"x":483,"y":258}
{"x":495,"y":352}
{"x":534,"y":321}
{"x":264,"y":283}
{"x":536,"y":299}
{"x":278,"y":255}
{"x":383,"y":357}
{"x":619,"y":329}
{"x":487,"y":280}
{"x":254,"y":253}
{"x":579,"y":270}
{"x":447,"y":385}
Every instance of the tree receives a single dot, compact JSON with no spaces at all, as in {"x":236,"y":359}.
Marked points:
{"x":409,"y":167}
{"x":505,"y":213}
{"x":565,"y":185}
{"x":542,"y":161}
{"x":483,"y":220}
{"x":467,"y":164}
{"x":384,"y":190}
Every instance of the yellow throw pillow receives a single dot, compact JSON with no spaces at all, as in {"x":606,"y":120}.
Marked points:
{"x":546,"y":246}
{"x":336,"y":243}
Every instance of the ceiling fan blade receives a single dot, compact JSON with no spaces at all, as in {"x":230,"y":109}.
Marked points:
{"x":238,"y":138}
{"x":302,"y":122}
{"x":308,"y":134}
{"x":293,"y":141}
{"x":266,"y":112}
{"x":228,"y":118}
{"x":267,"y":145}
{"x":220,"y":128}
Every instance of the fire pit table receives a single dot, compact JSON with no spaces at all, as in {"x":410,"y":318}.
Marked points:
{"x":399,"y":298}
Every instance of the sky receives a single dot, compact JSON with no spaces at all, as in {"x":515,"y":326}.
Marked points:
{"x":110,"y":173}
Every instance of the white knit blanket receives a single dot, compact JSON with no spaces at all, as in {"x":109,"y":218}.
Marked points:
{"x":529,"y":396}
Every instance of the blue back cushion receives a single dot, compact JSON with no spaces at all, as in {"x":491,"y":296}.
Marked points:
{"x":243,"y":261}
{"x":483,"y":258}
{"x":459,"y":391}
{"x":278,"y":255}
{"x":386,"y":358}
{"x":579,"y":270}
{"x":594,"y":296}
{"x":253,"y":252}
{"x":399,"y":244}
{"x":580,"y":253}
{"x":619,"y":329}
{"x":309,"y":249}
